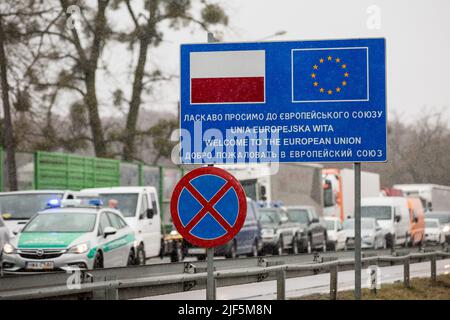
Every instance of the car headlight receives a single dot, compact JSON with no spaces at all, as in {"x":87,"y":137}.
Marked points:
{"x":79,"y":248}
{"x":8,"y":249}
{"x":446,"y":229}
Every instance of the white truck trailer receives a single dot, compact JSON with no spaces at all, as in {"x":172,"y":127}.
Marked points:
{"x":339,"y":190}
{"x":434,"y":197}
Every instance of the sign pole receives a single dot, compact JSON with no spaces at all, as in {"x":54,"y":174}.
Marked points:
{"x":210,"y":285}
{"x":357,"y":170}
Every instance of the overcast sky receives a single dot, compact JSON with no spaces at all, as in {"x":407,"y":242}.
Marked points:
{"x":417,"y":34}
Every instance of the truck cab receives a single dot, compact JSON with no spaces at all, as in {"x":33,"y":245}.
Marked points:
{"x":17,"y":207}
{"x":140,"y":208}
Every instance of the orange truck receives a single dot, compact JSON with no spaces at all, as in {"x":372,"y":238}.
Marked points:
{"x":416,"y":221}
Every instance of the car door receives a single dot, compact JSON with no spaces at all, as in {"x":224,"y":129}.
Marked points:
{"x":341,"y":235}
{"x":286,"y":227}
{"x":154,"y":226}
{"x":108,"y":258}
{"x":315,"y":228}
{"x":118,"y":242}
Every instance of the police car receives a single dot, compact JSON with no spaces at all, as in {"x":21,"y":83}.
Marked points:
{"x":67,"y":236}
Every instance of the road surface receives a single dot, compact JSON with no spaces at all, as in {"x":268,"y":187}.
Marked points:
{"x":296,"y":287}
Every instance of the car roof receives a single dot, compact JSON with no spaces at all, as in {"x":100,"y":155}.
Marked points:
{"x":76,"y":210}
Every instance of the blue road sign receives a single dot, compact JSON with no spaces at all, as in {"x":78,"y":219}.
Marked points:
{"x":208,"y":207}
{"x":300,"y":101}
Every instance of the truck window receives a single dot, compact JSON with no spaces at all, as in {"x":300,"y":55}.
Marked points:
{"x":154,"y":203}
{"x":127,"y":202}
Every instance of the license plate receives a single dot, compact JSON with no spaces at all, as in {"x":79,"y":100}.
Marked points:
{"x":40,"y":265}
{"x":196,"y":251}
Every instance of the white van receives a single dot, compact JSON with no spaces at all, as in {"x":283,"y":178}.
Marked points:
{"x":17,"y":207}
{"x":140,"y":208}
{"x":392,"y":214}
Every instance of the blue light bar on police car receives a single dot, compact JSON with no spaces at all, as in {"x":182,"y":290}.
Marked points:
{"x":96,"y":202}
{"x":53,"y":203}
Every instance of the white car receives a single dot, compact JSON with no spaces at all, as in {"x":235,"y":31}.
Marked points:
{"x":140,"y":208}
{"x":69,"y":237}
{"x":337,"y":237}
{"x":4,"y":235}
{"x":433,"y":231}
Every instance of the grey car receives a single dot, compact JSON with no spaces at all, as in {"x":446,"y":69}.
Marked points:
{"x":372,"y":235}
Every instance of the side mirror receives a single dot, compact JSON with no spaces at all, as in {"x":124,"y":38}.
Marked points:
{"x":109,"y":231}
{"x":397,"y":218}
{"x":150,"y":213}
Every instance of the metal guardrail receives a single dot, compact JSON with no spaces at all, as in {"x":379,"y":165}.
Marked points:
{"x":120,"y":287}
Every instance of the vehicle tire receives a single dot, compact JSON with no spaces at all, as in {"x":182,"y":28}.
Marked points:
{"x":309,"y":245}
{"x":278,"y":250}
{"x":295,"y":245}
{"x":407,"y":240}
{"x":254,"y":252}
{"x":232,"y":252}
{"x":177,"y":254}
{"x":131,"y":258}
{"x":333,"y":246}
{"x":140,"y":255}
{"x":98,"y":260}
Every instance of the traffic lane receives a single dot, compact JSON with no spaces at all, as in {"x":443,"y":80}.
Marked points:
{"x":297,"y":287}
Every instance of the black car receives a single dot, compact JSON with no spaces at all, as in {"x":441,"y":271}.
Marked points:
{"x":312,"y":233}
{"x":278,"y":231}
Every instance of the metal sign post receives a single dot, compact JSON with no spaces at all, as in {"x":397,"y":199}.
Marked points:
{"x":357,"y":169}
{"x":210,"y":281}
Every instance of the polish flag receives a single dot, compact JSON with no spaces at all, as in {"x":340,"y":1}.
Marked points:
{"x":228,"y":76}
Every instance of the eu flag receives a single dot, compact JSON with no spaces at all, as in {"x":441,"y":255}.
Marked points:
{"x":330,"y":75}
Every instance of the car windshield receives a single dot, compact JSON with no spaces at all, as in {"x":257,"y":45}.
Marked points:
{"x":365,"y":224}
{"x":127,"y":202}
{"x":443,"y":218}
{"x":298,"y":215}
{"x":431,"y":224}
{"x":330,"y":224}
{"x":377,"y":212}
{"x":25,"y":205}
{"x":269,"y":216}
{"x":62,"y":222}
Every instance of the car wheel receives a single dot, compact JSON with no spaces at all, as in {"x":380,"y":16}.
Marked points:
{"x":254,"y":252}
{"x":309,"y":245}
{"x":278,"y":250}
{"x":407,"y":240}
{"x":334,"y":246}
{"x":98,"y":260}
{"x":232,"y":252}
{"x":140,"y":255}
{"x":295,"y":245}
{"x":131,"y":258}
{"x":177,"y":254}
{"x":201,"y":257}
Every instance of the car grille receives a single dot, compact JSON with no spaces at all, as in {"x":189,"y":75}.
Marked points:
{"x":40,"y":254}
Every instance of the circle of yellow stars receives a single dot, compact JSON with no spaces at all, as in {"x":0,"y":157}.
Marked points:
{"x":343,"y":83}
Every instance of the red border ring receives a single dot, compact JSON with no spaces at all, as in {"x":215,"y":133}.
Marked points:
{"x":242,"y":203}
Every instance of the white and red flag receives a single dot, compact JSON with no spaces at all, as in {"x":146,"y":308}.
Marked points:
{"x":228,"y":76}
